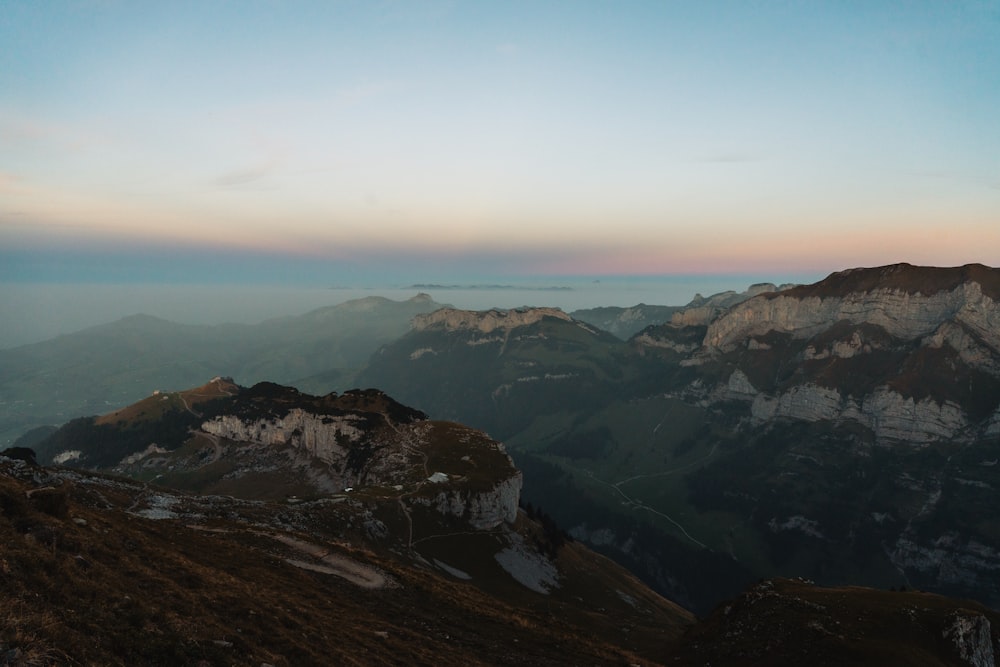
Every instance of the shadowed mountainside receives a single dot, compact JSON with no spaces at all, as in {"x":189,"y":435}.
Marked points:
{"x":786,"y":622}
{"x":845,"y":432}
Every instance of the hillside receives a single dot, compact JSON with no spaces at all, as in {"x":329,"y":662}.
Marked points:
{"x":105,"y":570}
{"x":113,"y":365}
{"x":379,"y":533}
{"x":498,"y":368}
{"x":625,"y":322}
{"x":794,"y":622}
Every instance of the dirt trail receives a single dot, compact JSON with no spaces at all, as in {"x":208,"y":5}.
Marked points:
{"x":616,"y":487}
{"x":214,"y":439}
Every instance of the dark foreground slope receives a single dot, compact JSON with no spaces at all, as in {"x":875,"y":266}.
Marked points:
{"x":342,"y":529}
{"x":794,"y":622}
{"x":105,"y":570}
{"x":100,"y":570}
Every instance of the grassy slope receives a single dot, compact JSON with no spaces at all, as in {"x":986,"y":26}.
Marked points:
{"x":83,"y":582}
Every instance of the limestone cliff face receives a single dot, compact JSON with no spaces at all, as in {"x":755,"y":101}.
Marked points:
{"x":703,"y":310}
{"x":972,"y":637}
{"x":389,"y":460}
{"x":323,"y":437}
{"x":970,"y":348}
{"x":891,"y":416}
{"x":898,"y":310}
{"x":645,"y":340}
{"x":452,"y":319}
{"x":903,"y":314}
{"x":483,"y":510}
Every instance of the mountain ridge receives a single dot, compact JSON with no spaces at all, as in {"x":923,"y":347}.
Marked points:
{"x":354,"y":487}
{"x":832,"y":447}
{"x":858,"y":296}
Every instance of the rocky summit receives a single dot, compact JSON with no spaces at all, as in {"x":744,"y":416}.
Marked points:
{"x":274,"y":441}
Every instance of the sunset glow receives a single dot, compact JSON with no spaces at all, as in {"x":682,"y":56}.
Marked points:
{"x":544,"y":138}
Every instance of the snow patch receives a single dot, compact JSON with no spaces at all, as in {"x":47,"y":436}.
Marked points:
{"x":529,"y":568}
{"x":453,"y":571}
{"x":159,"y":508}
{"x":68,"y":455}
{"x":799,"y":523}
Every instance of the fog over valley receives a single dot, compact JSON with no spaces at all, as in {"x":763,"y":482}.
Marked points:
{"x":39,"y":311}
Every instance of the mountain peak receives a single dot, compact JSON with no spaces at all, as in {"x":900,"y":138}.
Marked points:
{"x":907,"y":278}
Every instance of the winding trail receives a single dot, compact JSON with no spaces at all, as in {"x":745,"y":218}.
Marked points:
{"x":217,"y":454}
{"x":187,"y":406}
{"x":635,"y":504}
{"x":404,"y":508}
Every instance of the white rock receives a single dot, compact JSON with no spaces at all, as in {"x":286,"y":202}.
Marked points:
{"x":902,"y":314}
{"x":452,"y":319}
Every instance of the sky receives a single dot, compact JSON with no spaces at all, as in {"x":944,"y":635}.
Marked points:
{"x":357,"y":142}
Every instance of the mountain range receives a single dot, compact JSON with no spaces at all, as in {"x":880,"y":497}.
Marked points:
{"x":267,"y":526}
{"x":844,"y":433}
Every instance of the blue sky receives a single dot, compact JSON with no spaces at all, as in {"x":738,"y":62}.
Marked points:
{"x":409,"y":141}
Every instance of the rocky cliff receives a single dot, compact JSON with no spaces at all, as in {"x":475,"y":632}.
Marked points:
{"x":452,"y":319}
{"x":322,"y":436}
{"x":387,"y":461}
{"x":702,"y":310}
{"x":483,"y":510}
{"x":904,"y":312}
{"x":910,"y":353}
{"x":888,"y":414}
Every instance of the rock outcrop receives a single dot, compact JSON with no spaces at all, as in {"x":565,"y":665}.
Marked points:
{"x":452,"y":319}
{"x":483,"y":510}
{"x":889,"y":415}
{"x":949,"y":560}
{"x":972,"y":637}
{"x":336,"y":440}
{"x":322,"y":436}
{"x":701,"y":310}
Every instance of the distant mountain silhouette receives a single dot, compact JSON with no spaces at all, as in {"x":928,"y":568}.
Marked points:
{"x":112,"y":365}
